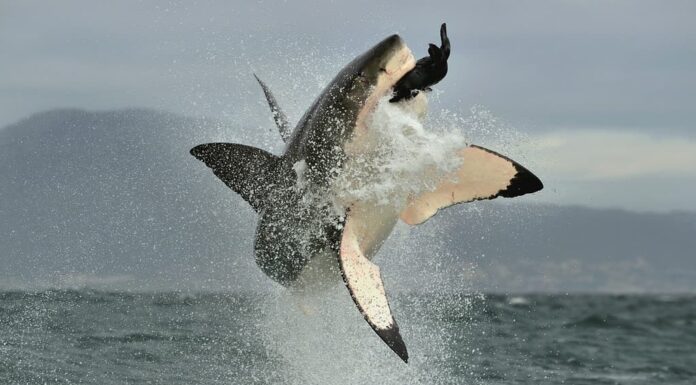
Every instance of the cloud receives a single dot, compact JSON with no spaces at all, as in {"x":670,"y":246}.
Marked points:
{"x":628,"y":66}
{"x":623,"y":64}
{"x":595,"y":155}
{"x":612,"y":169}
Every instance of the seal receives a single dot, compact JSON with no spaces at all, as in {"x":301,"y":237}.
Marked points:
{"x":427,"y":72}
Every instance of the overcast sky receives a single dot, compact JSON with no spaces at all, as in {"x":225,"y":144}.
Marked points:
{"x":600,"y":94}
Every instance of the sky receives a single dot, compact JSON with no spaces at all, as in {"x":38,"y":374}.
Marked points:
{"x":600,"y":95}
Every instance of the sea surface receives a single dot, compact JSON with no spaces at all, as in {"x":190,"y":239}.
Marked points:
{"x":97,"y":337}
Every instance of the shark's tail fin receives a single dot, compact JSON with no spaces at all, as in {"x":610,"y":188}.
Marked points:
{"x":249,"y":171}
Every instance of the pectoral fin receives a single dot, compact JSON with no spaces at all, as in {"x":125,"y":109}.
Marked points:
{"x":363,"y":279}
{"x":483,"y":174}
{"x":249,"y":171}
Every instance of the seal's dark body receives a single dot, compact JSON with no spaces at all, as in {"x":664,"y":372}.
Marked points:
{"x":427,"y":72}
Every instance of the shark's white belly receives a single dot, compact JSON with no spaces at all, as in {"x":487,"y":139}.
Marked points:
{"x":375,"y":225}
{"x":374,"y":215}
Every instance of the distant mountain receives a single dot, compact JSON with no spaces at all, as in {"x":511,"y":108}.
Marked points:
{"x":525,"y":247}
{"x":114,"y":197}
{"x":114,"y":200}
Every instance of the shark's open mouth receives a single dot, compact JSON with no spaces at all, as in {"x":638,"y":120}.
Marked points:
{"x":390,"y":151}
{"x":398,"y":65}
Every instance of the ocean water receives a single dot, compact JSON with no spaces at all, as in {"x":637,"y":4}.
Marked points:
{"x":96,"y":337}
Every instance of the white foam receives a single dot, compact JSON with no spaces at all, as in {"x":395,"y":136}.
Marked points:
{"x":399,"y":156}
{"x":320,"y":338}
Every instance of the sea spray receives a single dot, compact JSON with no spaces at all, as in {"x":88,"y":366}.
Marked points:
{"x":320,"y":338}
{"x":320,"y":335}
{"x":399,"y":157}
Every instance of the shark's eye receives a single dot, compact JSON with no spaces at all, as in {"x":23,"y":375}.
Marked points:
{"x":382,"y":69}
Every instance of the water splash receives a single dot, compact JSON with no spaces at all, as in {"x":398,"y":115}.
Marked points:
{"x":320,"y":338}
{"x":399,"y":156}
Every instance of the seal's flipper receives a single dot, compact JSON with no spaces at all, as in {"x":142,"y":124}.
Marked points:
{"x":249,"y":171}
{"x":281,"y":120}
{"x":445,"y":43}
{"x":364,"y":282}
{"x":484,"y":174}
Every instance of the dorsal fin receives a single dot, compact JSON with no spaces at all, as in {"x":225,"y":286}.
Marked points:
{"x":248,"y":171}
{"x":281,"y":120}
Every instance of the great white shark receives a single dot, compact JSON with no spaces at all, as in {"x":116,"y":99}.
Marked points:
{"x":306,"y":231}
